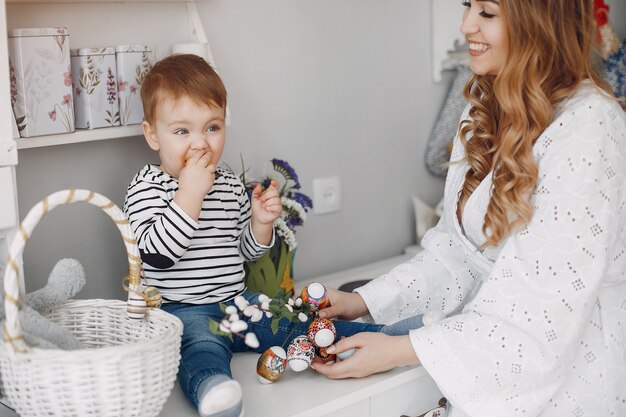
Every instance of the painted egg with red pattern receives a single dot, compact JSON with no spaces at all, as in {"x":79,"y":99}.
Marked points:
{"x":316,"y":295}
{"x":325,"y":357}
{"x":300,"y":353}
{"x":322,"y":332}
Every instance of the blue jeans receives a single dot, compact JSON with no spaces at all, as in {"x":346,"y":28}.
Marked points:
{"x":204,"y":354}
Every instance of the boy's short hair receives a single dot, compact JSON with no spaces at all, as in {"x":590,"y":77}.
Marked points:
{"x":181,"y":75}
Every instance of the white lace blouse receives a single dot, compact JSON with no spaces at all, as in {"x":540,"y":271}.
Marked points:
{"x":537,"y":327}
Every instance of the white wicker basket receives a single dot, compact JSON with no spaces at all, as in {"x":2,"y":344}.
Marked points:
{"x":127,"y":368}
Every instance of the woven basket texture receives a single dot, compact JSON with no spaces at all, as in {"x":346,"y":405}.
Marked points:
{"x":127,"y":367}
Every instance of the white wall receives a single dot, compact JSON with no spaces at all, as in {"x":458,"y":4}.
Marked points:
{"x":334,"y":87}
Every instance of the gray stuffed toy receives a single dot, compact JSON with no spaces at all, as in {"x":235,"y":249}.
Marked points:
{"x":442,"y":135}
{"x":66,"y":279}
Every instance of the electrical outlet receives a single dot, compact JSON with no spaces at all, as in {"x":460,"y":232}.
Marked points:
{"x":326,"y":195}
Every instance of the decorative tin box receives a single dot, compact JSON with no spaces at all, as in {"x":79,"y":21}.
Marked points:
{"x":41,"y":80}
{"x":133,"y":63}
{"x":94,"y":80}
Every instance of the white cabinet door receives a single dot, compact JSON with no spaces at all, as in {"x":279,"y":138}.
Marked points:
{"x":8,"y":197}
{"x":358,"y":409}
{"x":412,"y":398}
{"x":8,"y":149}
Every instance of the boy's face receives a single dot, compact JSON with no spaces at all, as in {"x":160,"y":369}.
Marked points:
{"x":183,"y":127}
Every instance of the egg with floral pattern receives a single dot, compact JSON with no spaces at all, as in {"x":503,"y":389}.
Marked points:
{"x":325,"y":357}
{"x":316,"y":295}
{"x":300,"y":353}
{"x":322,"y":332}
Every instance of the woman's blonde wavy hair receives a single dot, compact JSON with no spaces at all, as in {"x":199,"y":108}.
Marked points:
{"x":550,"y":53}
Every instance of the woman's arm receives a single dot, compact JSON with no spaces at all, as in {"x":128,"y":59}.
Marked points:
{"x":530,"y":335}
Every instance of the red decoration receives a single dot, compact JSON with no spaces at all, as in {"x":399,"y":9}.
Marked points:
{"x":601,"y":12}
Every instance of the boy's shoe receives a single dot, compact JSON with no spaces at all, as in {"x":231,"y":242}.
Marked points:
{"x":220,"y":396}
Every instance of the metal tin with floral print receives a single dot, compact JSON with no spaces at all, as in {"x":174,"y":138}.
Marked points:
{"x":94,"y":82}
{"x":133,"y":64}
{"x":41,"y":80}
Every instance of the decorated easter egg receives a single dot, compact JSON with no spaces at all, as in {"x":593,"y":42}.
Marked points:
{"x":271,"y":365}
{"x":322,"y":332}
{"x":346,"y":354}
{"x":325,"y":357}
{"x":135,"y":306}
{"x":152,"y":297}
{"x":300,"y":353}
{"x":316,"y":295}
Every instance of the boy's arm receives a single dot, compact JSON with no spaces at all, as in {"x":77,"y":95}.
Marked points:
{"x":163,"y":230}
{"x":263,"y":233}
{"x":250,"y":246}
{"x":266,"y":208}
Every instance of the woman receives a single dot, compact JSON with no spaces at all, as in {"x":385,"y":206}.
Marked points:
{"x":528,"y":261}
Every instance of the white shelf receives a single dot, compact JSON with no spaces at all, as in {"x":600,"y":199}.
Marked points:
{"x":79,"y":136}
{"x":194,"y":33}
{"x":94,"y":1}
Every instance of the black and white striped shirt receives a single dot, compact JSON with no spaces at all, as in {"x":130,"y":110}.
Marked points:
{"x":192,"y":262}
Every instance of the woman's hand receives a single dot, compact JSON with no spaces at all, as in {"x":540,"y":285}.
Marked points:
{"x":344,"y":306}
{"x":375,"y":353}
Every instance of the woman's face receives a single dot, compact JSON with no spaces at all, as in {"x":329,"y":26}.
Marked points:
{"x":483,"y":26}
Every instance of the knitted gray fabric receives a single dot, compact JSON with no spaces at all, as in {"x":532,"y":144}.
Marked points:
{"x":615,"y":72}
{"x":437,"y":155}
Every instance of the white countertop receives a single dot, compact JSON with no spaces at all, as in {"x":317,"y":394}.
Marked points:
{"x":302,"y":394}
{"x":308,"y":394}
{"x":407,"y":390}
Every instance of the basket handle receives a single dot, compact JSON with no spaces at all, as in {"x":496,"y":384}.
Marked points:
{"x":12,"y":303}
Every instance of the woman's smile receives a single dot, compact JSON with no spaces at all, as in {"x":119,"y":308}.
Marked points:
{"x":478,"y":48}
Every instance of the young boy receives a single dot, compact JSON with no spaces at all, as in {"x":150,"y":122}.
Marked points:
{"x":195,"y":227}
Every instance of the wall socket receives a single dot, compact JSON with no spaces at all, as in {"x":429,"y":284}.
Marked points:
{"x":326,"y":195}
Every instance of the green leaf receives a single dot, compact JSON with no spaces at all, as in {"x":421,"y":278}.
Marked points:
{"x":275,"y":308}
{"x":223,"y":308}
{"x":262,"y":276}
{"x":282,"y":294}
{"x":275,"y":324}
{"x":214,"y":327}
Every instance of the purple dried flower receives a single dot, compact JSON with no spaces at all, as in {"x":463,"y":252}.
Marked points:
{"x":303,"y":200}
{"x":287,"y":171}
{"x":111,"y":87}
{"x":293,"y":221}
{"x":293,"y":216}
